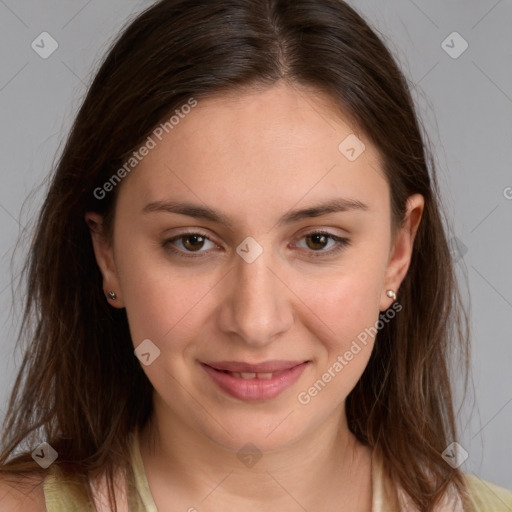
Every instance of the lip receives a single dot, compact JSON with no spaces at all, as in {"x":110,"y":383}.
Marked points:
{"x":265,"y":367}
{"x":255,"y":389}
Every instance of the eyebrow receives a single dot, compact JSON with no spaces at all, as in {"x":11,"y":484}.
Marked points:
{"x":206,"y":213}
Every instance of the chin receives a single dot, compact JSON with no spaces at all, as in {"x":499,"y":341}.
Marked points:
{"x":269,"y":433}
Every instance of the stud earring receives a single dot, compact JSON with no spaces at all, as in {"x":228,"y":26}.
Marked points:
{"x":391,"y":294}
{"x":112,"y":295}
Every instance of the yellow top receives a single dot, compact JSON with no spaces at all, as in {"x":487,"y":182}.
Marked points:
{"x":62,"y":496}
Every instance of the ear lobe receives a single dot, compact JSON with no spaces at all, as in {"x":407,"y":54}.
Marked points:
{"x":104,"y":254}
{"x":401,"y":251}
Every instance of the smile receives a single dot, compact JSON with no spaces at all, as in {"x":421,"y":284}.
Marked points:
{"x":254,"y":385}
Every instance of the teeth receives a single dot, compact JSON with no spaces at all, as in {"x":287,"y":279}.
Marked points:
{"x":251,"y":375}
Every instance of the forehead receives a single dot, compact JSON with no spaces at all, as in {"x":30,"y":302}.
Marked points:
{"x":257,"y":151}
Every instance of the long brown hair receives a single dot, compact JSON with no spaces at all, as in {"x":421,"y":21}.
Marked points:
{"x":80,"y":386}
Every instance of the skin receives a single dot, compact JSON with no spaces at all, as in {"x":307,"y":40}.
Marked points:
{"x":254,"y":156}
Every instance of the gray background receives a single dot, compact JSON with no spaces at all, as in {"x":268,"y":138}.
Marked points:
{"x":465,"y":104}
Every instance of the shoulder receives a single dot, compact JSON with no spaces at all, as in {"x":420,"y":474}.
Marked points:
{"x":21,"y":493}
{"x":486,"y":496}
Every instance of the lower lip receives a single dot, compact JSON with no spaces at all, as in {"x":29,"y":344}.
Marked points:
{"x":255,"y":389}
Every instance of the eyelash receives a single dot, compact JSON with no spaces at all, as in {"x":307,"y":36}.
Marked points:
{"x":342,"y":243}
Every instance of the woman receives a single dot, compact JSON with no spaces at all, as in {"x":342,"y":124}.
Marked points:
{"x":241,"y":284}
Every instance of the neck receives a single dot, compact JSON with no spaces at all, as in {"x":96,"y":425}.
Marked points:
{"x":328,"y":464}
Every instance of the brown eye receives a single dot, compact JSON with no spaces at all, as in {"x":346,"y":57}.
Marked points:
{"x":188,"y":243}
{"x":193,"y":242}
{"x":318,"y":241}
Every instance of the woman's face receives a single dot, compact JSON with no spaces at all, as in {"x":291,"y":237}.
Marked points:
{"x":243,"y":277}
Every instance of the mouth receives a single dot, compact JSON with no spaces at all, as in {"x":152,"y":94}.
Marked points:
{"x":253,"y":382}
{"x":252,"y":375}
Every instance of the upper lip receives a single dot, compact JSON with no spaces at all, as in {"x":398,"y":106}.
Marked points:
{"x":265,"y":367}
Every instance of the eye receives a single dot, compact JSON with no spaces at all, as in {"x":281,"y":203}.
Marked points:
{"x":317,"y":241}
{"x":187,"y":243}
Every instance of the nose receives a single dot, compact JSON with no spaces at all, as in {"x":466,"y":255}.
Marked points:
{"x":256,"y":307}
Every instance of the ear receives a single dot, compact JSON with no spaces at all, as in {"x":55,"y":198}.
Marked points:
{"x":104,"y":254}
{"x":401,"y":250}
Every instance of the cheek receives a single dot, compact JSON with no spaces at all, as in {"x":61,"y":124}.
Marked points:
{"x":350,"y":312}
{"x":343,"y":311}
{"x":346,"y":302}
{"x":160,"y":299}
{"x":164,"y":307}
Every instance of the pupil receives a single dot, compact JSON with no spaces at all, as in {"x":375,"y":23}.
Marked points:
{"x":196,"y":239}
{"x":318,"y":239}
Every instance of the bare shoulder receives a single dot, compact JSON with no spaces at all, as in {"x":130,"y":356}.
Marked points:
{"x":19,"y":494}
